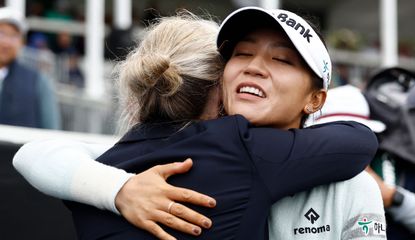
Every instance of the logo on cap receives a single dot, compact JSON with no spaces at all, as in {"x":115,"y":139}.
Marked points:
{"x":326,"y":66}
{"x":305,"y":32}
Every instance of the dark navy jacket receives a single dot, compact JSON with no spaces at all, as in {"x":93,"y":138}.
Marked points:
{"x":245,"y":169}
{"x":19,"y":103}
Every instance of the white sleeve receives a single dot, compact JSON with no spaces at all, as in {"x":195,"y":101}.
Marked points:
{"x":405,"y":213}
{"x":365,"y":217}
{"x":67,"y":169}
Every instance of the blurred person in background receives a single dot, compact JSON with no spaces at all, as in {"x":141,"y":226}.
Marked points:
{"x":26,"y":96}
{"x":66,"y":50}
{"x":391,"y":96}
{"x":342,"y":76}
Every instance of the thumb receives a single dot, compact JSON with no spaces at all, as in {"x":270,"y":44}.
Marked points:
{"x":170,"y":169}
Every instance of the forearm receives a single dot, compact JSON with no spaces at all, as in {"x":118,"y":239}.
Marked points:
{"x":67,"y":170}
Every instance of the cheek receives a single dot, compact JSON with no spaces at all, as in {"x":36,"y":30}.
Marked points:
{"x":225,"y":95}
{"x":227,"y":86}
{"x":232,"y":68}
{"x":291,"y":93}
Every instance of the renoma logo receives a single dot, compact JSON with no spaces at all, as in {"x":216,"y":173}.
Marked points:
{"x":312,"y":216}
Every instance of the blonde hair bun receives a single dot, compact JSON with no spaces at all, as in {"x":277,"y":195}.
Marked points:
{"x":158,"y":73}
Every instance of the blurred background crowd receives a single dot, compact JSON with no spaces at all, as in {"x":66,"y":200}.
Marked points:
{"x":58,"y":31}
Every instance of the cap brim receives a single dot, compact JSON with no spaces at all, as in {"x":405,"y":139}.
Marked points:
{"x":240,"y":23}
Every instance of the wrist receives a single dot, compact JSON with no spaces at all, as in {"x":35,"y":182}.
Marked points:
{"x":397,"y":198}
{"x":119,"y":202}
{"x":97,"y":184}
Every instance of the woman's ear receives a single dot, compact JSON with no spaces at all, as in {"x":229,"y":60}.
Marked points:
{"x":316,"y":101}
{"x":212,"y":107}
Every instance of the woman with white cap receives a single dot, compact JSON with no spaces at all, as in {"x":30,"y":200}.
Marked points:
{"x":249,"y":168}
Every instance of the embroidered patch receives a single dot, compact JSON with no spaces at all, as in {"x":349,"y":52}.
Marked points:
{"x":365,"y":226}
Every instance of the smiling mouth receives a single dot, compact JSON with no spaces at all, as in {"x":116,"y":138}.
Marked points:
{"x":252,"y":90}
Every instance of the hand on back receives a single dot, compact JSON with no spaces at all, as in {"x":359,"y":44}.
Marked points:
{"x":147,"y":200}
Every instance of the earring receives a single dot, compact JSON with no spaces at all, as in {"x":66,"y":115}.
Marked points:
{"x":309,"y":109}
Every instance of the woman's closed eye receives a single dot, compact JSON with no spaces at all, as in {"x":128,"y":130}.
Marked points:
{"x":238,"y":54}
{"x":283,"y":60}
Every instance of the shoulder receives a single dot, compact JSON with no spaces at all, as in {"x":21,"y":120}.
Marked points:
{"x":25,"y":74}
{"x":362,"y":182}
{"x":23,"y":68}
{"x":360,"y":189}
{"x":232,"y":119}
{"x":228,"y":123}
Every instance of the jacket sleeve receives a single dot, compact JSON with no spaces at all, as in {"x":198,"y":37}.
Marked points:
{"x":291,"y":161}
{"x":67,"y":169}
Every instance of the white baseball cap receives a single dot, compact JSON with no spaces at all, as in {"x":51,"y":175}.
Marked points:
{"x":14,"y":17}
{"x":347,"y":103}
{"x":302,"y":35}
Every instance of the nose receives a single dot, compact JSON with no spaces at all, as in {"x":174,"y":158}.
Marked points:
{"x":257,"y":67}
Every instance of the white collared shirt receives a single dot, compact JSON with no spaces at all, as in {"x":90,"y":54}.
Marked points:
{"x":351,"y":209}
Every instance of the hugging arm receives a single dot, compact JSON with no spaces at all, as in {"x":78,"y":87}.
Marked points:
{"x":66,"y":169}
{"x":310,"y":157}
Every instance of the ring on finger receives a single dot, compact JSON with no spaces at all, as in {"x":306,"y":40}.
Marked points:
{"x":170,"y":206}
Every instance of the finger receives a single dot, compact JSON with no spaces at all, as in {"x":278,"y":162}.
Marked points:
{"x":185,"y":195}
{"x":157,"y":231}
{"x":176,"y":223}
{"x":167,"y":170}
{"x":190,"y":215}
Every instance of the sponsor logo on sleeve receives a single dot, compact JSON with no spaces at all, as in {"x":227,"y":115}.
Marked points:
{"x":379,"y":228}
{"x":365,"y":226}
